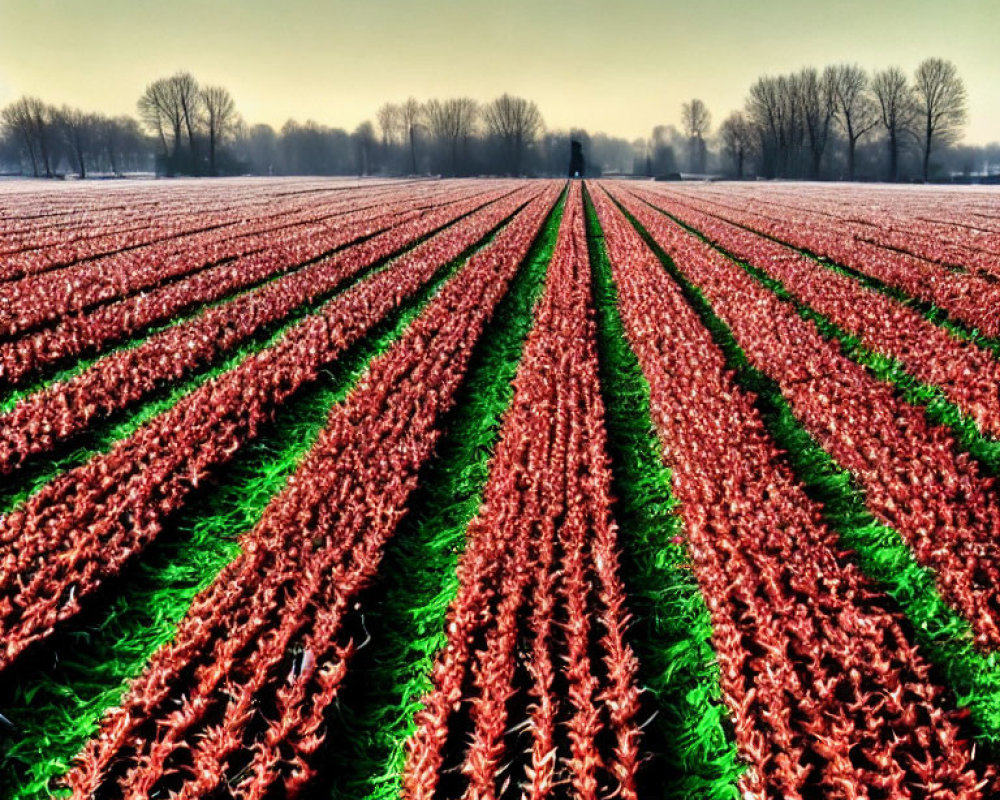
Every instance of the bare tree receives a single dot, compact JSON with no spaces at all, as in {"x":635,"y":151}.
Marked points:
{"x":515,"y":122}
{"x":897,"y":111}
{"x":817,"y":98}
{"x":664,"y":144}
{"x":172,"y":107}
{"x":941,"y":105}
{"x":857,"y":110}
{"x":122,"y":142}
{"x":696,"y":120}
{"x":161,"y":111}
{"x":220,"y":119}
{"x":189,"y":98}
{"x":737,"y":137}
{"x":452,"y":122}
{"x":79,"y":133}
{"x":775,"y":109}
{"x":364,"y":143}
{"x":31,"y":121}
{"x":410,"y":115}
{"x":390,"y":119}
{"x":19,"y":122}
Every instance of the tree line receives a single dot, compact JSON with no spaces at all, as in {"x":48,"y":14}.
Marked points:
{"x":791,"y":123}
{"x":185,"y":128}
{"x":38,"y":137}
{"x":838,"y":122}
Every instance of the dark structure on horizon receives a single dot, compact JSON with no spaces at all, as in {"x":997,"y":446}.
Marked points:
{"x":577,"y":164}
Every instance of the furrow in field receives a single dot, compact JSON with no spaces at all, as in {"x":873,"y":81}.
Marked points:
{"x":826,"y":689}
{"x":915,"y":476}
{"x":39,"y":422}
{"x":317,"y":546}
{"x":85,"y":525}
{"x":687,"y":733}
{"x":406,"y":615}
{"x":539,"y":586}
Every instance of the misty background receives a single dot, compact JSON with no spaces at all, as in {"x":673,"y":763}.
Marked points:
{"x":840,"y":122}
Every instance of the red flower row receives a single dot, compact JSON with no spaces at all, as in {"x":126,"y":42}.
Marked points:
{"x":263,"y":689}
{"x":968,"y":375}
{"x":80,"y":528}
{"x":40,"y":299}
{"x":35,"y":246}
{"x":970,"y":298}
{"x":106,"y":324}
{"x":542,"y":548}
{"x":829,"y":696}
{"x":37,"y":423}
{"x":915,"y":477}
{"x":892,"y":221}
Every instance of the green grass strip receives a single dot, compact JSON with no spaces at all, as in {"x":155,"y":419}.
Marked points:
{"x":81,"y":363}
{"x":406,"y":618}
{"x":928,"y":310}
{"x":930,"y":398}
{"x":944,"y":637}
{"x":694,"y":754}
{"x":58,"y":709}
{"x":102,"y":436}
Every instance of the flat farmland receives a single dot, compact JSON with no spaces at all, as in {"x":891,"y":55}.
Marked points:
{"x":437,"y":489}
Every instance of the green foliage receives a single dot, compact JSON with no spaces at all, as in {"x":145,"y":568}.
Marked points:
{"x":943,"y":635}
{"x":58,"y":707}
{"x":928,"y":310}
{"x":407,"y":617}
{"x":81,"y":363}
{"x":933,"y":401}
{"x":103,"y":434}
{"x":694,"y":755}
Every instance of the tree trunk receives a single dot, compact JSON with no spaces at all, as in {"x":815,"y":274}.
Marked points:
{"x":893,"y":157}
{"x":31,"y":153}
{"x":413,"y":151}
{"x":927,"y":150}
{"x":45,"y":156}
{"x":190,"y":132}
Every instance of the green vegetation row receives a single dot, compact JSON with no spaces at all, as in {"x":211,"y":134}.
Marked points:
{"x":59,"y":699}
{"x":935,"y":404}
{"x":406,"y":614}
{"x":690,"y":735}
{"x":883,"y":555}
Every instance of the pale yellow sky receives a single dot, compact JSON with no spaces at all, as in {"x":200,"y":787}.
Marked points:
{"x":620,"y":67}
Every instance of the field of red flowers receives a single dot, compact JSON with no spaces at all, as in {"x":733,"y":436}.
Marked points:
{"x":499,"y":489}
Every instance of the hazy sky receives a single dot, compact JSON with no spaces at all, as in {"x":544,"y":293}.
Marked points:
{"x":621,"y":67}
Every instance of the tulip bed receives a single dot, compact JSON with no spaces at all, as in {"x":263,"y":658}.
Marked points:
{"x":960,"y":235}
{"x":498,"y":489}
